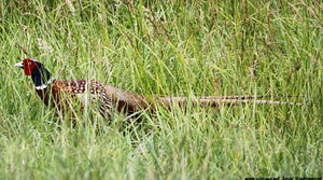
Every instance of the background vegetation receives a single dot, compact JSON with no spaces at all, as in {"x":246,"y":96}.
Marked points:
{"x":160,"y":48}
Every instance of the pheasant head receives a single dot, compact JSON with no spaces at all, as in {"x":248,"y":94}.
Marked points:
{"x":39,"y":74}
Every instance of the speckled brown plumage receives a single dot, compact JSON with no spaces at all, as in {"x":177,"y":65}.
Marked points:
{"x":107,"y":97}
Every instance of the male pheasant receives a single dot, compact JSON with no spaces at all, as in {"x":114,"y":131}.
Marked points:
{"x":60,"y":93}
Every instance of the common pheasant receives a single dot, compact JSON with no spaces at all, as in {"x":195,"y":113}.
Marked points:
{"x":60,"y":93}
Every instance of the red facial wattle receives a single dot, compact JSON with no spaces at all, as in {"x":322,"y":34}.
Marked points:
{"x":29,"y":65}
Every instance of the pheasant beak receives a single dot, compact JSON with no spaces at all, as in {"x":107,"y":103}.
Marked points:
{"x":19,"y":65}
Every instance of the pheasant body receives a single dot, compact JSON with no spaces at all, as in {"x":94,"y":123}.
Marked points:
{"x":64,"y":92}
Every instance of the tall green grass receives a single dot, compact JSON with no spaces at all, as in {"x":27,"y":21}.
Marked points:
{"x":163,"y":48}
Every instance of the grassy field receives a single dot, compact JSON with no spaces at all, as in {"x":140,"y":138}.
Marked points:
{"x":163,"y":48}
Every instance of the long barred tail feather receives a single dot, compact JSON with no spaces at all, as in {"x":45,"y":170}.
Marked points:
{"x":218,"y":101}
{"x":241,"y":97}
